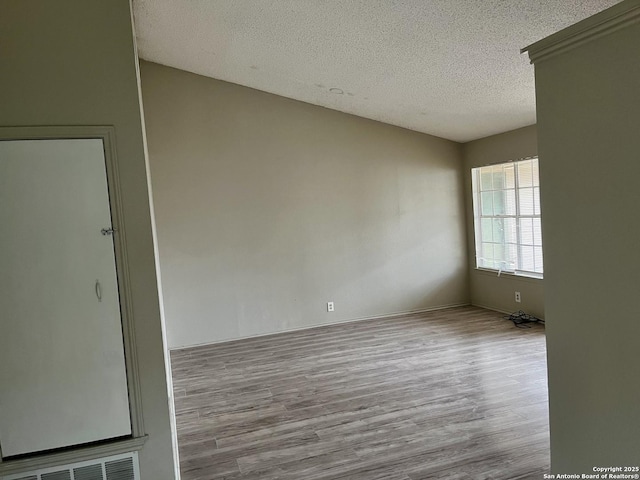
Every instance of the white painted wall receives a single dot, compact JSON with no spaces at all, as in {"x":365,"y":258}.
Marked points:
{"x":267,"y":208}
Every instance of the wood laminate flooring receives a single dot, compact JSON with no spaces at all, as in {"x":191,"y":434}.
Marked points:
{"x":457,"y":393}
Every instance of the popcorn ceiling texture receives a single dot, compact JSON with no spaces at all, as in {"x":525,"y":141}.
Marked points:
{"x":450,"y":68}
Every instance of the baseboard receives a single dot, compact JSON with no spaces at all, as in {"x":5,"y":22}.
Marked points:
{"x":495,"y":309}
{"x":339,"y":322}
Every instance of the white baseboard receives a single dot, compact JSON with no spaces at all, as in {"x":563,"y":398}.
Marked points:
{"x":339,"y":322}
{"x":495,"y":309}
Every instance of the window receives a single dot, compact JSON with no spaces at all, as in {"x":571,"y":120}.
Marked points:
{"x":506,"y":206}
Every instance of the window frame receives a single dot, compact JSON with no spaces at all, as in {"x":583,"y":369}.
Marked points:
{"x":476,"y":194}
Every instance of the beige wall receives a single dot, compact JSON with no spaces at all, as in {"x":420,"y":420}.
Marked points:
{"x":487,"y":288}
{"x":588,"y":122}
{"x":72,"y":62}
{"x":267,"y":208}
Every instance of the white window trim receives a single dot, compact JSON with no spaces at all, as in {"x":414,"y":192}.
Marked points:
{"x":477,"y":214}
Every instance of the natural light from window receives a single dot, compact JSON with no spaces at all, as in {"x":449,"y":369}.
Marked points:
{"x":506,"y":206}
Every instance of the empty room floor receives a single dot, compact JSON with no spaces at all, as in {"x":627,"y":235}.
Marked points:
{"x":456,"y":393}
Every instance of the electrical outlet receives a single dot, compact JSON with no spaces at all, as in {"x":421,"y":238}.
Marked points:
{"x":330,"y":307}
{"x":518,"y":299}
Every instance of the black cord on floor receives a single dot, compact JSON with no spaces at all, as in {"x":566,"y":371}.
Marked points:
{"x":523,"y":320}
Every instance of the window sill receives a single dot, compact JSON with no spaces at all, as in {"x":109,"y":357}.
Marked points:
{"x":535,"y":278}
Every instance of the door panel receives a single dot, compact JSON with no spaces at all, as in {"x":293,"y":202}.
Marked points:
{"x":62,"y":371}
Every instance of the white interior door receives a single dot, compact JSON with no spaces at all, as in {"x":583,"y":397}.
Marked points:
{"x":62,"y":370}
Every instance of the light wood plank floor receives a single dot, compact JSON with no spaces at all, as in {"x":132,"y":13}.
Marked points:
{"x":456,"y":393}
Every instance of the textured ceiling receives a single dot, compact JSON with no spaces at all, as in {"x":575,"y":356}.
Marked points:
{"x":450,"y":68}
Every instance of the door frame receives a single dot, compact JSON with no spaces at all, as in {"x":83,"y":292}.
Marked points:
{"x":138,"y":436}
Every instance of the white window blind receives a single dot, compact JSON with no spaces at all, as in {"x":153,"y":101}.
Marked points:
{"x":506,"y":205}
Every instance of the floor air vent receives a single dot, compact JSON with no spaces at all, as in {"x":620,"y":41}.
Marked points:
{"x":117,"y":467}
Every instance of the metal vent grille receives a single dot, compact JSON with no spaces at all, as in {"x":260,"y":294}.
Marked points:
{"x":90,"y":472}
{"x":117,"y":467}
{"x":59,"y":475}
{"x":120,"y":469}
